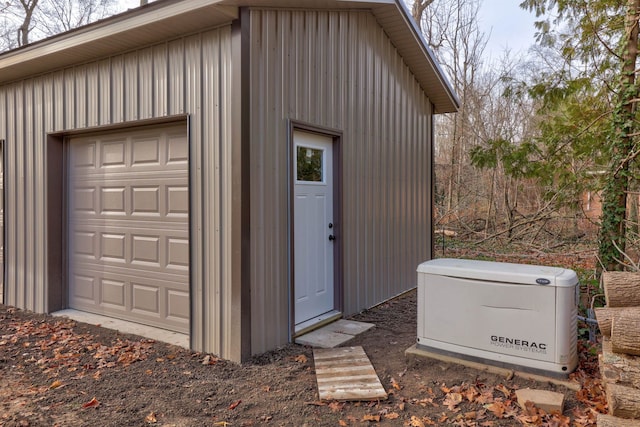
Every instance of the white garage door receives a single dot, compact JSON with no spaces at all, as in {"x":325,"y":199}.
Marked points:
{"x":129,"y":226}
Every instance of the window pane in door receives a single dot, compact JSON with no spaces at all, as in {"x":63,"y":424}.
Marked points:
{"x":309,"y":164}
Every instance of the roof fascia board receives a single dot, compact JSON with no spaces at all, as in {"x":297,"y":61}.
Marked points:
{"x":118,"y":24}
{"x":16,"y":62}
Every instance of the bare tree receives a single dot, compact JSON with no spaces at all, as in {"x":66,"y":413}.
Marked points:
{"x":450,"y":28}
{"x":489,"y":198}
{"x":17,"y":19}
{"x":57,"y":16}
{"x":24,"y":21}
{"x":417,"y":10}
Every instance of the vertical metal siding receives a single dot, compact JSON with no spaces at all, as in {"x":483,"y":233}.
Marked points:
{"x":103,"y":106}
{"x":157,"y":81}
{"x":29,"y":195}
{"x":337,"y":70}
{"x":145,"y":92}
{"x":160,"y":89}
{"x":115,"y":80}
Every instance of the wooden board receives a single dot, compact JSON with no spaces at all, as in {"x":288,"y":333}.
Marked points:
{"x":345,"y":373}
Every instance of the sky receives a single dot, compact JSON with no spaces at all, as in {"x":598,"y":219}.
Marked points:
{"x":507,"y":24}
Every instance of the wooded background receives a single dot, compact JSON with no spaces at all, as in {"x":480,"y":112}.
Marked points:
{"x":543,"y":149}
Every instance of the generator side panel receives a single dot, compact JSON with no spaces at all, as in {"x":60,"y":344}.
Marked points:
{"x":567,"y":329}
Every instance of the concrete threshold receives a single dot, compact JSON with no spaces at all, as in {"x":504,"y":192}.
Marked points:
{"x":126,"y":327}
{"x":334,"y":334}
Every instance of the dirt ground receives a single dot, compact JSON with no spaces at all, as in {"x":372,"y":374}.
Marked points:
{"x":56,"y":372}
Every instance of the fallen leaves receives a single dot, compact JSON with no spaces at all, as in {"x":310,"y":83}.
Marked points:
{"x":395,"y":384}
{"x":301,"y":358}
{"x":151,"y":418}
{"x":93,"y":403}
{"x":336,"y":406}
{"x":391,"y":416}
{"x":452,"y":400}
{"x":369,"y":417}
{"x":418,"y":399}
{"x":55,"y":384}
{"x":497,"y":409}
{"x":55,"y":345}
{"x":210,"y":360}
{"x":235,"y":404}
{"x":504,"y":390}
{"x":466,"y":405}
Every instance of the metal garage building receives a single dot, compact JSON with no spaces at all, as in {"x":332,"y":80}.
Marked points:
{"x":234,"y":170}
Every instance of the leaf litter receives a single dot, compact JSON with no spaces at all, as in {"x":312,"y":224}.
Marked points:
{"x":54,"y":371}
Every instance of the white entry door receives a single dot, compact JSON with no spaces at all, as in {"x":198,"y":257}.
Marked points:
{"x":313,"y":226}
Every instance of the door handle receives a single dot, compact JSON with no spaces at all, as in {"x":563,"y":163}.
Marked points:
{"x":332,"y":237}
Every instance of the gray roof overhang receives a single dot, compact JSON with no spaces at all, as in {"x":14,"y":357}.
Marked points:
{"x":167,"y":19}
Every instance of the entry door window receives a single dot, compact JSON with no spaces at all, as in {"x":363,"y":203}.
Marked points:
{"x":309,"y":164}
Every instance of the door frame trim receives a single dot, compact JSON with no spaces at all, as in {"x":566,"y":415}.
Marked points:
{"x":338,"y":268}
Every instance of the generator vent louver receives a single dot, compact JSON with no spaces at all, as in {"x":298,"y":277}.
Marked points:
{"x":513,"y":315}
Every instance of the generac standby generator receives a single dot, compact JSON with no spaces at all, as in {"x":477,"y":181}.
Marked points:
{"x":512,"y":315}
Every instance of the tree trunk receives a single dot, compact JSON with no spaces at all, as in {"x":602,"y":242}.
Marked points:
{"x":621,"y":369}
{"x":623,"y":401}
{"x":605,"y":316}
{"x":487,"y":219}
{"x":25,"y":29}
{"x":418,"y":8}
{"x":625,"y":332}
{"x":609,"y":421}
{"x":614,"y":207}
{"x":621,"y":288}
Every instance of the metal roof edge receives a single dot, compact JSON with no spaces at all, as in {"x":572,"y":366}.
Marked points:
{"x":59,"y":48}
{"x":162,"y":20}
{"x":444,"y":80}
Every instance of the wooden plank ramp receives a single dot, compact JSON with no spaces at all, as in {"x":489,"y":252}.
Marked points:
{"x":346,"y":373}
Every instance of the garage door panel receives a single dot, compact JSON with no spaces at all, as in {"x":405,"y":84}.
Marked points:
{"x":85,"y":200}
{"x":84,"y":157}
{"x":129,"y":226}
{"x":113,"y":294}
{"x":177,"y":150}
{"x":143,"y":299}
{"x":84,"y":289}
{"x":112,"y":153}
{"x":145,"y":151}
{"x":177,"y":250}
{"x":145,"y":250}
{"x":177,"y":305}
{"x":112,"y":247}
{"x":112,"y":200}
{"x":148,"y":300}
{"x":162,"y":253}
{"x":131,"y":195}
{"x":85,"y":243}
{"x":145,"y":200}
{"x":177,"y":201}
{"x":148,"y":249}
